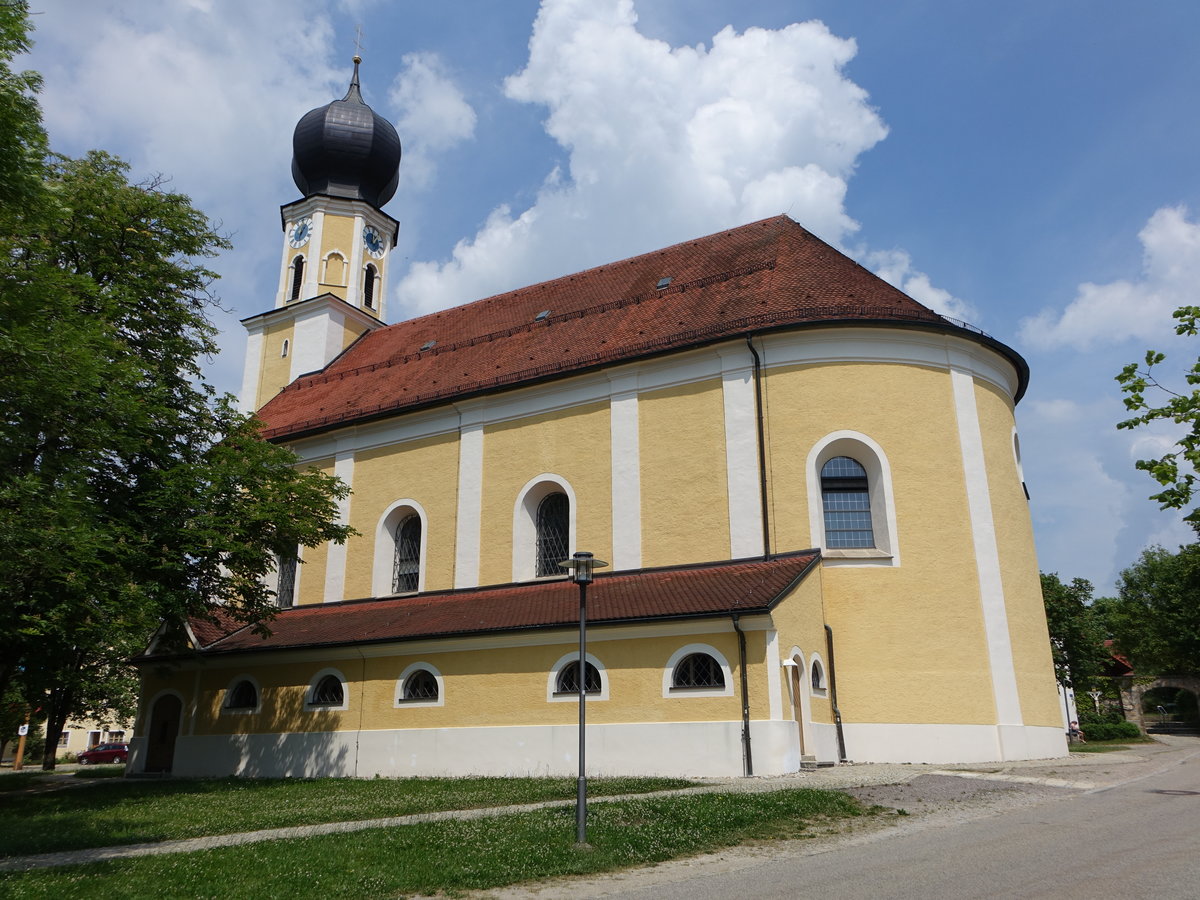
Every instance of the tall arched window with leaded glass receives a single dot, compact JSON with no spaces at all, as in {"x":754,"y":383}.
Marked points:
{"x":553,"y":533}
{"x":285,"y":588}
{"x":406,"y":568}
{"x":847,"y":504}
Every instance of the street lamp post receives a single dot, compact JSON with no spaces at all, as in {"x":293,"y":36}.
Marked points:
{"x":582,"y":565}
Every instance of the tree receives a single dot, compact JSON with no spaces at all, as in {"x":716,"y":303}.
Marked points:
{"x":1174,"y":471}
{"x":131,"y":495}
{"x":1076,"y":636}
{"x":1155,"y":619}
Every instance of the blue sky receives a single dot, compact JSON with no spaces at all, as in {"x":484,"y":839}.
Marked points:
{"x":1030,"y":167}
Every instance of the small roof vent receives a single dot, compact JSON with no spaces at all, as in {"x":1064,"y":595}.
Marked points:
{"x":663,"y":282}
{"x":542,"y":316}
{"x":428,"y":345}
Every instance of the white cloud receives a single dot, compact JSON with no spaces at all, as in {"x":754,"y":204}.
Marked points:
{"x":895,"y":267}
{"x":433,"y":114}
{"x":1115,"y":312}
{"x":665,"y":143}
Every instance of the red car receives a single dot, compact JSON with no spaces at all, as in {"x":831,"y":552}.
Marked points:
{"x":105,"y":753}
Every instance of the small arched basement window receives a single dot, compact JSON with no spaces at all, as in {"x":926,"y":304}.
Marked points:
{"x":846,"y":501}
{"x":697,"y":670}
{"x":297,"y":277}
{"x":553,"y":533}
{"x":420,"y":685}
{"x":568,"y":679}
{"x":243,"y":695}
{"x":328,"y":692}
{"x":406,"y":565}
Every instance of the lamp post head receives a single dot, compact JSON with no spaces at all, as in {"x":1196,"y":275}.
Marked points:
{"x":582,"y":564}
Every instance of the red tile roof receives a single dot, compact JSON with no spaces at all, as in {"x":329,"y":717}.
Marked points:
{"x":766,"y":275}
{"x":696,"y":591}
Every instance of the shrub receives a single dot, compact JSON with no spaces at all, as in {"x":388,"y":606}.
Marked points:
{"x":1112,"y":731}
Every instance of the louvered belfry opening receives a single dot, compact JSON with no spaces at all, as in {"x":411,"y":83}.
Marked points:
{"x":406,"y":567}
{"x":553,"y":533}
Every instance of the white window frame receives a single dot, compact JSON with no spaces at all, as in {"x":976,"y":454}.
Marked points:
{"x":309,"y":706}
{"x":409,"y":671}
{"x":668,"y":689}
{"x":553,"y":696}
{"x":226,"y":711}
{"x":867,"y":453}
{"x":385,"y":546}
{"x":524,"y":549}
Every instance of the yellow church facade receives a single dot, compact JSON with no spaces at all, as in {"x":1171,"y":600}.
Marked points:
{"x":807,"y":486}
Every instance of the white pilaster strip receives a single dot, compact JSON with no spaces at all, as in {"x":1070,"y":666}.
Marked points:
{"x":312,"y":257}
{"x":987,"y":553}
{"x":354,"y":279}
{"x":284,"y":271}
{"x":470,"y":497}
{"x":626,"y":473}
{"x":741,"y":453}
{"x":335,"y":560}
{"x":250,"y":374}
{"x":774,"y":673}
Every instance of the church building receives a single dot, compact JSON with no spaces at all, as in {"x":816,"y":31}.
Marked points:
{"x":806,"y":485}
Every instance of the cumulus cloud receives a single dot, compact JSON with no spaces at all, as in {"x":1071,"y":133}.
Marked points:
{"x":433,"y":114}
{"x":1112,"y":313}
{"x":896,"y":268}
{"x":665,"y":143}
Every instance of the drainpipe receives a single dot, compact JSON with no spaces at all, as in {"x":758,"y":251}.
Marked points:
{"x":837,"y":713}
{"x":762,"y":449}
{"x":747,"y":756}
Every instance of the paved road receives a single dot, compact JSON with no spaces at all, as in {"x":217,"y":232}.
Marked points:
{"x":1140,"y":839}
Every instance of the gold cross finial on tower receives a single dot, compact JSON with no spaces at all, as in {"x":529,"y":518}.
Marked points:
{"x":358,"y":43}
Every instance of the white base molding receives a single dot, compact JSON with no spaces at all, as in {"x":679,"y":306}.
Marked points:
{"x":952,"y":743}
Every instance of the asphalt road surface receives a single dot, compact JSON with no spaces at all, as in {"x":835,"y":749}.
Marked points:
{"x":1140,"y":839}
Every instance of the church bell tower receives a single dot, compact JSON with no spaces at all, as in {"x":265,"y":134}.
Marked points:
{"x":336,"y":245}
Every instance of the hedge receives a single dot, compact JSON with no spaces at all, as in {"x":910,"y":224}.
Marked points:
{"x":1111,"y":731}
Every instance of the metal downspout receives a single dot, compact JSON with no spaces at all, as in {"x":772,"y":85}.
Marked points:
{"x":747,"y":755}
{"x":837,"y":713}
{"x":762,"y":449}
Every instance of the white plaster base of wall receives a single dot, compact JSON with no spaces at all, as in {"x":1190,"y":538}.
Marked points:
{"x":680,"y":749}
{"x":951,"y":743}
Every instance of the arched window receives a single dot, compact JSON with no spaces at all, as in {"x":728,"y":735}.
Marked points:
{"x":818,"y":676}
{"x":328,"y":692}
{"x":285,"y":589}
{"x":420,"y":685}
{"x":846,"y":501}
{"x":243,"y":695}
{"x":286,"y":346}
{"x":297,"y":277}
{"x":568,"y":679}
{"x":406,"y":564}
{"x":553,"y":534}
{"x":370,"y":275}
{"x":697,"y":670}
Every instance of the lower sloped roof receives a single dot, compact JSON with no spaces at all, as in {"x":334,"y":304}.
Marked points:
{"x":694,"y":591}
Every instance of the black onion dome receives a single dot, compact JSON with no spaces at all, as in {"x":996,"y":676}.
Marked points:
{"x":346,"y":149}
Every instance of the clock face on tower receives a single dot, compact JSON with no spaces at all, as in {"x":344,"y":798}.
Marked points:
{"x":373,"y":242}
{"x":300,"y":232}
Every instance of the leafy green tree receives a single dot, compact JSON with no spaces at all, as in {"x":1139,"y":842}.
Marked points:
{"x":1155,"y":620}
{"x":1076,"y":635}
{"x":131,"y":495}
{"x":1174,"y":471}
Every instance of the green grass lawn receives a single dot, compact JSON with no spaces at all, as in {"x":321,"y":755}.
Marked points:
{"x":117,"y":811}
{"x":455,"y":856}
{"x":1109,"y":746}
